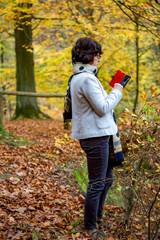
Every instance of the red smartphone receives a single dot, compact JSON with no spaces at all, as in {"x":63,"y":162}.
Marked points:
{"x":120,"y":77}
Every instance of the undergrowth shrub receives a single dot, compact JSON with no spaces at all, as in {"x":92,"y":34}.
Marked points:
{"x":140,"y":176}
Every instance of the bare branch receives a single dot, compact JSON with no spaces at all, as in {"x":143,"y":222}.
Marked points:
{"x":37,"y":24}
{"x":149,"y":3}
{"x":45,"y":18}
{"x":149,"y":214}
{"x":75,"y":18}
{"x":124,"y":11}
{"x":157,"y":2}
{"x":137,"y":17}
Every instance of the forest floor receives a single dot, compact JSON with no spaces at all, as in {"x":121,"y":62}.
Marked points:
{"x":39,"y":196}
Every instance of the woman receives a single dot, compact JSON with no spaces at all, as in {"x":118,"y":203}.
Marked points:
{"x":92,"y":124}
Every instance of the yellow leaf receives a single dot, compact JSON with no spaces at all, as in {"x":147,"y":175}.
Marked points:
{"x":29,"y":50}
{"x":138,"y":140}
{"x":77,"y":235}
{"x":134,"y":115}
{"x":143,"y":96}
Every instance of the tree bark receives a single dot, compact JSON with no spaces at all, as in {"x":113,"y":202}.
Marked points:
{"x":1,"y":111}
{"x":137,"y":67}
{"x":25,"y":79}
{"x":2,"y":55}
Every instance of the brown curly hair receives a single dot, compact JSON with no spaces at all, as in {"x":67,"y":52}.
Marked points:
{"x":85,"y":50}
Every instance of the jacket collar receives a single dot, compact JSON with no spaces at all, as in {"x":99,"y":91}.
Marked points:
{"x":80,"y":67}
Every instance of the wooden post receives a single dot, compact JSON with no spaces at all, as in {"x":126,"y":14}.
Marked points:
{"x":1,"y":109}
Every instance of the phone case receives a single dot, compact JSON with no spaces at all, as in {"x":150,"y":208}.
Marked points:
{"x":120,"y":77}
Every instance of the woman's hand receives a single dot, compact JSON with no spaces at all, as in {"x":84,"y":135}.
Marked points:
{"x":118,"y":86}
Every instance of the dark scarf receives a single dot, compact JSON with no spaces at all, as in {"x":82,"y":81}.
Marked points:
{"x":67,"y":111}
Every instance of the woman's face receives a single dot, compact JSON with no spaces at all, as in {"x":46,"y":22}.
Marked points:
{"x":96,"y":60}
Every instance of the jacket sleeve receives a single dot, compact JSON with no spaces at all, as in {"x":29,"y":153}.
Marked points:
{"x":101,"y":104}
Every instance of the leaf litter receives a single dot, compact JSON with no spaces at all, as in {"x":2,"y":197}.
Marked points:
{"x":39,"y":198}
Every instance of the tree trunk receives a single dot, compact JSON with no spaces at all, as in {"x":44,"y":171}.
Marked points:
{"x":2,"y":55}
{"x":1,"y":111}
{"x":25,"y":80}
{"x":137,"y":67}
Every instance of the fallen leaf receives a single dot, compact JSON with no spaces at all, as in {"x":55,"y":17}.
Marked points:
{"x":57,"y":220}
{"x":81,"y":198}
{"x":31,"y":208}
{"x":77,"y":235}
{"x":11,"y":219}
{"x":18,"y":235}
{"x":73,"y":237}
{"x":47,"y":224}
{"x":21,"y":174}
{"x":21,"y":209}
{"x":61,"y":224}
{"x":138,"y":234}
{"x":70,"y":227}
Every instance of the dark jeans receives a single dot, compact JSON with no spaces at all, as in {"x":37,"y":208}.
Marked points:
{"x":100,"y":178}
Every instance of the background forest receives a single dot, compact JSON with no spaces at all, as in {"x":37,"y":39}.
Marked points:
{"x":36,"y":38}
{"x":127,"y":30}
